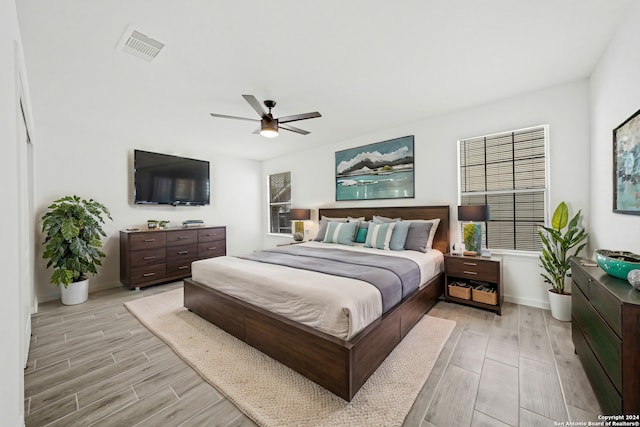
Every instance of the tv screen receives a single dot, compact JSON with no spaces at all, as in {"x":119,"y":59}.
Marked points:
{"x":162,"y":179}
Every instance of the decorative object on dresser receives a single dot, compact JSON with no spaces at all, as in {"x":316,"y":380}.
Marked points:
{"x":634,"y":278}
{"x":606,"y":336}
{"x":159,"y":256}
{"x":299,"y":215}
{"x":474,"y":281}
{"x":556,"y":257}
{"x":472,"y":231}
{"x":617,"y":263}
{"x":626,"y":166}
{"x":192,"y":223}
{"x":73,"y":228}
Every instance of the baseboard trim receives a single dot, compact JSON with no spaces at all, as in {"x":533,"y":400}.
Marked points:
{"x":527,"y":301}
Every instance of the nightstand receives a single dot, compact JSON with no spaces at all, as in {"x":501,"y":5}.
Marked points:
{"x":474,"y":281}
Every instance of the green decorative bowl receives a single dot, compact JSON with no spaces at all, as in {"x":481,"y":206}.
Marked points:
{"x":617,"y":263}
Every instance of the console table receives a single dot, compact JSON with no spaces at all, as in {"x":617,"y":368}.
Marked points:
{"x":150,"y":257}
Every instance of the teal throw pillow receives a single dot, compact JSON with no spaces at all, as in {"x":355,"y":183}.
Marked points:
{"x":361,"y":236}
{"x":399,"y":236}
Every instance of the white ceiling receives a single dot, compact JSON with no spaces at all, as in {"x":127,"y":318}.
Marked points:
{"x":365,"y":65}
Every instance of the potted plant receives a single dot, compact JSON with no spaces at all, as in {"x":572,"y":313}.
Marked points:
{"x":556,"y":257}
{"x":73,"y":228}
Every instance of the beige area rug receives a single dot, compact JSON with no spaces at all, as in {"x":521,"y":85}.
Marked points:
{"x":272,"y":394}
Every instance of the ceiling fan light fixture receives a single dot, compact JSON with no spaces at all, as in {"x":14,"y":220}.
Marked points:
{"x":269,"y":128}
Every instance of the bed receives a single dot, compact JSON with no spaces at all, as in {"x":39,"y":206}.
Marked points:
{"x":340,"y":365}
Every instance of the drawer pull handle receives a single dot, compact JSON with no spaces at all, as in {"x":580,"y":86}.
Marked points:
{"x":213,"y":248}
{"x":470,"y":263}
{"x":149,"y":240}
{"x":469,"y":272}
{"x":183,"y":267}
{"x":148,"y":274}
{"x":183,"y":252}
{"x":150,"y":257}
{"x":183,"y":237}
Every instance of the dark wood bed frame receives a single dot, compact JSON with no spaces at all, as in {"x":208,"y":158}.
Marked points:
{"x":340,"y":366}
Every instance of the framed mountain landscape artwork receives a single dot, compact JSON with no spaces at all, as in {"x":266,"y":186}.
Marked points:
{"x":383,"y":170}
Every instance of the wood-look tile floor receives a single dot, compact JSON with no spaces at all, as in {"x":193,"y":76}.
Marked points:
{"x":95,"y":364}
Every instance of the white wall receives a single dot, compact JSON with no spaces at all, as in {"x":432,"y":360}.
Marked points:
{"x":564,"y":108}
{"x":12,"y":325}
{"x":96,"y":164}
{"x":615,"y":95}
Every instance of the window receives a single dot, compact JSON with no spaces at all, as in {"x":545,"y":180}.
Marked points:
{"x":280,"y":203}
{"x":507,"y":171}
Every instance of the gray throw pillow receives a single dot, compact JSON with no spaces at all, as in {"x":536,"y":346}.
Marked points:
{"x":418,"y":236}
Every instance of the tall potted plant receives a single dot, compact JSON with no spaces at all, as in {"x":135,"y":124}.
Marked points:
{"x":73,"y":228}
{"x":556,"y":257}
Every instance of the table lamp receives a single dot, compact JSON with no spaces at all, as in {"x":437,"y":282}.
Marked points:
{"x":299,"y":215}
{"x":472,"y":231}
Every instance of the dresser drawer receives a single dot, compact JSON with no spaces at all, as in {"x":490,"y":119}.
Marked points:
{"x":212,"y":249}
{"x":581,"y":279}
{"x":211,"y":234}
{"x":609,"y":398}
{"x":186,"y":252}
{"x":604,"y":343}
{"x":470,"y":268}
{"x":149,"y":273}
{"x":609,"y":307}
{"x":180,"y":268}
{"x":147,"y":257}
{"x":147,"y":241}
{"x":181,"y":237}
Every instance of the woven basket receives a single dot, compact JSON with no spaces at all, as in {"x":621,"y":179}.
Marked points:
{"x":490,"y":298}
{"x":459,"y":292}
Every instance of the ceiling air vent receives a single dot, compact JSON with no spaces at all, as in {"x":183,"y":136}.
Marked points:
{"x":138,"y":44}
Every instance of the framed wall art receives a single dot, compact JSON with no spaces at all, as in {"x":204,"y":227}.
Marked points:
{"x":383,"y":170}
{"x":626,"y":166}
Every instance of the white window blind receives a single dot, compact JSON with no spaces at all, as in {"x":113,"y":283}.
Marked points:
{"x":507,"y":171}
{"x":280,"y":203}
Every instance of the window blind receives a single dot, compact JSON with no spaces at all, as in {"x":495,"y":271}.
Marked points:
{"x":507,"y":171}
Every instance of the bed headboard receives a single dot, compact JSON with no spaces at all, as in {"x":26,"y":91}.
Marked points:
{"x":441,"y":239}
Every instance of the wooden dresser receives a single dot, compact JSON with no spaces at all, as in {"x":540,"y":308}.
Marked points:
{"x":605,"y":315}
{"x":158,"y":256}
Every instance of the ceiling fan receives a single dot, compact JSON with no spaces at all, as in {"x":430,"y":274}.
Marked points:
{"x":269,"y":125}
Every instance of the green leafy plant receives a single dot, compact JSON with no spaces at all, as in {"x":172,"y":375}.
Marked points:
{"x":556,"y":246}
{"x":73,"y":228}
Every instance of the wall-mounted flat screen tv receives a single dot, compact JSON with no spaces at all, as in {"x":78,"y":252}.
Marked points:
{"x":163,"y":179}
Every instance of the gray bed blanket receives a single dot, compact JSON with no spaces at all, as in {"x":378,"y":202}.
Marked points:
{"x":394,"y":277}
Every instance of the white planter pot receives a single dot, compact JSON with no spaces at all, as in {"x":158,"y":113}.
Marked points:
{"x":75,"y":293}
{"x":560,"y":306}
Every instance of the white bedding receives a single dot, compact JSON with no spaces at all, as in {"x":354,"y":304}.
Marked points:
{"x":338,"y":306}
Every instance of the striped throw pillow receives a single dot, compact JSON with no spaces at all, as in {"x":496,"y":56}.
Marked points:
{"x":379,"y":235}
{"x":343,"y":233}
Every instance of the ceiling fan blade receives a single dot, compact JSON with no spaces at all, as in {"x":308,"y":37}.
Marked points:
{"x":233,"y":117}
{"x":296,"y":117}
{"x":292,"y":129}
{"x":255,"y":104}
